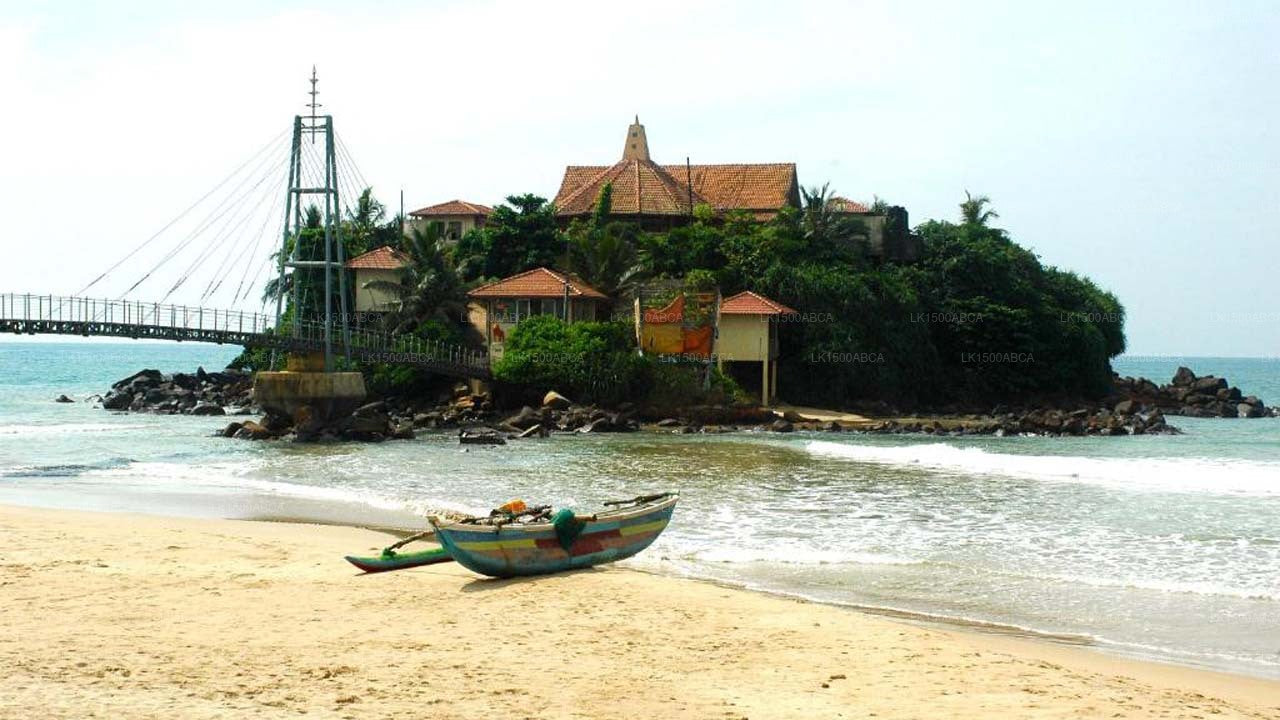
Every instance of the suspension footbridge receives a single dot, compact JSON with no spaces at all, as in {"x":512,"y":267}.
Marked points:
{"x":263,"y":265}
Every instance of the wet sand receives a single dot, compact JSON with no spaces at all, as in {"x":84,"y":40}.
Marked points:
{"x":115,"y":615}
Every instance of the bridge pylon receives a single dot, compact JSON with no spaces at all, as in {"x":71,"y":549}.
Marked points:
{"x":295,"y":254}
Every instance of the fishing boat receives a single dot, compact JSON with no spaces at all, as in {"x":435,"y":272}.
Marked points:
{"x":537,"y":542}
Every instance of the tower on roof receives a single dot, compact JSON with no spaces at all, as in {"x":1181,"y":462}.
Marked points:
{"x":637,"y":147}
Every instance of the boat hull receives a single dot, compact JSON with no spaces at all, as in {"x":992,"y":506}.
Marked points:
{"x":516,"y":550}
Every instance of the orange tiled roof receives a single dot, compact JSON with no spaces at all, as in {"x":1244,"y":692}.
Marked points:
{"x":382,"y":258}
{"x":642,"y":187}
{"x":845,"y":205}
{"x":538,"y":282}
{"x":453,"y":207}
{"x":749,"y":303}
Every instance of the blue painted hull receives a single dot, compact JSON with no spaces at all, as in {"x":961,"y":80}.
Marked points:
{"x":519,"y":550}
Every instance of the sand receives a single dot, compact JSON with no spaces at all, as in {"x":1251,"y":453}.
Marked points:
{"x":107,"y":615}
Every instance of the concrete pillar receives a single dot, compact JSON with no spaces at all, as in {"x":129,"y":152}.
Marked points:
{"x":764,"y":382}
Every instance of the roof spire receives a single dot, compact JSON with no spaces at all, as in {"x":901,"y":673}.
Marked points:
{"x":637,"y":146}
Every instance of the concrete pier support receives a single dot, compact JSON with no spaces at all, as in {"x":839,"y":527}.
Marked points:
{"x":305,"y":391}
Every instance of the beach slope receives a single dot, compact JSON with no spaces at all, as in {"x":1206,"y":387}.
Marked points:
{"x":135,"y":616}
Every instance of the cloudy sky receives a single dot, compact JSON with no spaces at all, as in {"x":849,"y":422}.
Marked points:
{"x":1137,"y":143}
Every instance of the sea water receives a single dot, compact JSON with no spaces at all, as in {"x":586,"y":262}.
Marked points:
{"x":1162,"y":546}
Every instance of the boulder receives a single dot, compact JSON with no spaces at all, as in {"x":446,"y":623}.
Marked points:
{"x":535,"y":431}
{"x":1184,"y":376}
{"x":142,"y":378}
{"x":63,"y":399}
{"x":231,"y":429}
{"x":481,"y":436}
{"x":1209,"y":385}
{"x":781,"y":425}
{"x":403,"y":431}
{"x":117,"y":400}
{"x":1125,"y":407}
{"x":205,"y":408}
{"x":555,"y":401}
{"x":832,"y":426}
{"x":250,"y":430}
{"x":669,"y":422}
{"x":373,"y":409}
{"x":525,"y":419}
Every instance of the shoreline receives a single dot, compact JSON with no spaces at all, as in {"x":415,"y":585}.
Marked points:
{"x":195,"y":617}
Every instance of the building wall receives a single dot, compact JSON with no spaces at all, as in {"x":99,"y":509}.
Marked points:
{"x":743,"y":337}
{"x":451,"y":225}
{"x":495,"y":318}
{"x":373,"y":300}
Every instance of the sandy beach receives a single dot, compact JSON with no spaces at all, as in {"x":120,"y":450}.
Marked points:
{"x":112,"y":615}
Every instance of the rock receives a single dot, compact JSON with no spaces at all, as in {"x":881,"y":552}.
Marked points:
{"x":403,"y":431}
{"x":669,"y":422}
{"x":231,"y":429}
{"x":833,"y":426}
{"x":525,"y":419}
{"x":1209,"y":385}
{"x":1184,"y":376}
{"x":555,"y":401}
{"x":117,"y":400}
{"x":535,"y":431}
{"x":781,"y":425}
{"x":142,"y":378}
{"x":1125,"y":407}
{"x":373,"y":409}
{"x":207,"y":409}
{"x":250,"y":430}
{"x":792,"y":416}
{"x":63,"y":399}
{"x":481,"y":436}
{"x":1245,"y":410}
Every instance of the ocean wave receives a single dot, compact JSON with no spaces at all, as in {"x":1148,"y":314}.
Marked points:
{"x":794,"y":555}
{"x":63,"y":470}
{"x":1190,"y":475}
{"x":228,"y":478}
{"x":65,"y":428}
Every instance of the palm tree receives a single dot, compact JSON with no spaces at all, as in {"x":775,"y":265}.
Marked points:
{"x":825,"y":228}
{"x":605,"y":257}
{"x":971,"y":210}
{"x":428,"y":287}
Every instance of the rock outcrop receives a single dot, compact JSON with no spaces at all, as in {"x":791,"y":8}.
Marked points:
{"x":199,"y":393}
{"x":1188,"y":395}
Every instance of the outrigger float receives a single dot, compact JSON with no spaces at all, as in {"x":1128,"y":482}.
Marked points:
{"x":517,"y":540}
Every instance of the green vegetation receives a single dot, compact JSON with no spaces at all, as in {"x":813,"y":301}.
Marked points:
{"x":977,"y":319}
{"x":589,"y":361}
{"x":516,"y":237}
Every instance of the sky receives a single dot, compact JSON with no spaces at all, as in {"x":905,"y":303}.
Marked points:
{"x":1136,"y":143}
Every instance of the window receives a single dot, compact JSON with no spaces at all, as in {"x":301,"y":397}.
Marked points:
{"x":552,"y":306}
{"x":455,"y":230}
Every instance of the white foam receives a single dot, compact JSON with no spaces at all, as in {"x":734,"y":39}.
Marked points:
{"x":64,"y":428}
{"x":792,"y":554}
{"x":229,"y":478}
{"x":1189,"y":475}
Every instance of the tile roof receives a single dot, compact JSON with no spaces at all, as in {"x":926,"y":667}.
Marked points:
{"x":381,"y":258}
{"x":749,"y":303}
{"x":642,"y":187}
{"x":845,"y":205}
{"x":453,"y":207}
{"x":538,"y":282}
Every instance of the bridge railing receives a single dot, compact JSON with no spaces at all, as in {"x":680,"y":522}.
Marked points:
{"x":56,"y":308}
{"x":364,"y":343}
